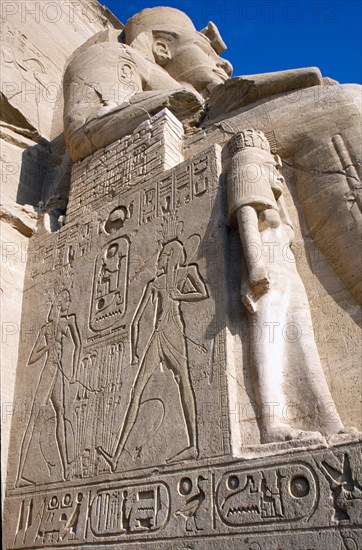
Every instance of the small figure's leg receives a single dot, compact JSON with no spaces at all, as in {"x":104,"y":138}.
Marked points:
{"x":41,"y":395}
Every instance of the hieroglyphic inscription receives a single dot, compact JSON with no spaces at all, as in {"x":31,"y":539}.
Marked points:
{"x":345,"y":488}
{"x":58,"y":251}
{"x":188,"y":181}
{"x":165,"y":197}
{"x":183,"y":192}
{"x":153,"y":147}
{"x":52,"y":519}
{"x":210,"y":499}
{"x":148,"y":205}
{"x":286,"y":493}
{"x":131,"y":509}
{"x":193,"y":503}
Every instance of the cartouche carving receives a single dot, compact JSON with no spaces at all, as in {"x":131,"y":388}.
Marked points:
{"x":109,"y":301}
{"x":275,"y":494}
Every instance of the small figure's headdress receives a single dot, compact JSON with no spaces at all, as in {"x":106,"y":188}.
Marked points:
{"x":171,"y":229}
{"x":248,"y":138}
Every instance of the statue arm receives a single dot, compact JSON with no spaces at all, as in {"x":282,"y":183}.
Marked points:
{"x":248,"y":225}
{"x":108,"y":125}
{"x":244,"y":90}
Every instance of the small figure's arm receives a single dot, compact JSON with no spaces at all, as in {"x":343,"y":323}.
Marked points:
{"x":248,"y":225}
{"x":74,"y":332}
{"x":135,"y":323}
{"x":40,"y":347}
{"x":198,"y":290}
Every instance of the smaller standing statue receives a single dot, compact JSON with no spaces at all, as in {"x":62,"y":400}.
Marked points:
{"x":273,"y":293}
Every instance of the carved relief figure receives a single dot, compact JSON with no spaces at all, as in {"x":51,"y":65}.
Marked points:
{"x":273,"y":291}
{"x":54,"y":335}
{"x":175,"y":282}
{"x":60,"y":518}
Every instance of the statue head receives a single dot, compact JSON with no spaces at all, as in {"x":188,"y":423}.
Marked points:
{"x":168,"y":37}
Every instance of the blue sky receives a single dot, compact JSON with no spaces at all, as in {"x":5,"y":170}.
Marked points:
{"x":272,"y":35}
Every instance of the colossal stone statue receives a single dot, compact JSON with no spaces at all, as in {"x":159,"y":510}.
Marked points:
{"x":160,"y":60}
{"x":188,"y":354}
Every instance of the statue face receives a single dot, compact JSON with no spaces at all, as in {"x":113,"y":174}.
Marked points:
{"x":275,"y":177}
{"x":193,"y":61}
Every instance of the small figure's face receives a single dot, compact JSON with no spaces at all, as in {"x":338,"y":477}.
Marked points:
{"x":191,"y":60}
{"x":162,"y":262}
{"x":276,"y":178}
{"x":64,"y":302}
{"x":267,"y":169}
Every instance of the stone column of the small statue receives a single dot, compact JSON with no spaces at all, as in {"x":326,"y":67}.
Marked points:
{"x":274,"y":294}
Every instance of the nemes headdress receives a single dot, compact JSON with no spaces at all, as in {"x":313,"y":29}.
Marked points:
{"x":170,"y":20}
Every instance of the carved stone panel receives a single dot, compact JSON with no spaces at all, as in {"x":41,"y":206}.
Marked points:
{"x":309,"y":499}
{"x":126,"y":360}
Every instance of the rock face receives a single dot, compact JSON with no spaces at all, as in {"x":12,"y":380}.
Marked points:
{"x":189,"y":364}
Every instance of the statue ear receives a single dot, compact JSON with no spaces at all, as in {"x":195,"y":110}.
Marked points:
{"x":161,"y":51}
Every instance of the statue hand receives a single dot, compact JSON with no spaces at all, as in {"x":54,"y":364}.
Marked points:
{"x":183,"y":99}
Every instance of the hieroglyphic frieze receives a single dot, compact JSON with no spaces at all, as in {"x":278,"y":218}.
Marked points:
{"x":154,"y":147}
{"x":207,"y":502}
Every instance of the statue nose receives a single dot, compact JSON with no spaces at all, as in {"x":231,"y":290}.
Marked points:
{"x":226,"y":66}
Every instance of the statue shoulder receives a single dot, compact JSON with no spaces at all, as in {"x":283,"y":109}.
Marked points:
{"x":99,"y":59}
